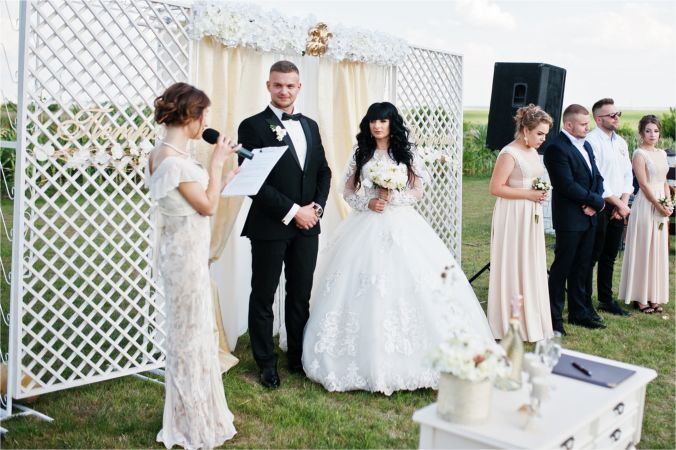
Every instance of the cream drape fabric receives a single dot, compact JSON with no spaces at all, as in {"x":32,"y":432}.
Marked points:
{"x":335,"y":94}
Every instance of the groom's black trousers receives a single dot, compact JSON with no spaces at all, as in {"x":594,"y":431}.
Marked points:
{"x":299,"y":256}
{"x":572,"y":263}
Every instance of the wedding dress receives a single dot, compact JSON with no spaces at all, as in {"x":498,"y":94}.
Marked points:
{"x":196,"y":414}
{"x":379,"y":304}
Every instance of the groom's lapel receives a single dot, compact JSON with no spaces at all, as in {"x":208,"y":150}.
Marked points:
{"x":273,"y":122}
{"x":308,"y":139}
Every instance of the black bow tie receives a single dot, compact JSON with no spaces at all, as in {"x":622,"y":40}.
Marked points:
{"x":286,"y":116}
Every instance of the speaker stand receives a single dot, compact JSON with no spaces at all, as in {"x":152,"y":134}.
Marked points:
{"x":482,"y":270}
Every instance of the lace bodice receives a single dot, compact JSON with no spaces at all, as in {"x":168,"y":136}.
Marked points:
{"x":163,"y":184}
{"x":358,"y":199}
{"x":527,"y":168}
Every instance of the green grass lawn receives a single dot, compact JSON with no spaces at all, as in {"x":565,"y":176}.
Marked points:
{"x":630,"y":117}
{"x":127,"y":412}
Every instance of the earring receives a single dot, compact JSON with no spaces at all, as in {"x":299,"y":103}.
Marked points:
{"x":525,"y":139}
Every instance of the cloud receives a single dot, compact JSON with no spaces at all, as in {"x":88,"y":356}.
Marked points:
{"x":632,"y":27}
{"x":485,"y":13}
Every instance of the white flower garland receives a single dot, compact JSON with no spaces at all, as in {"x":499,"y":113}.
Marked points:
{"x":237,"y":24}
{"x":117,"y":156}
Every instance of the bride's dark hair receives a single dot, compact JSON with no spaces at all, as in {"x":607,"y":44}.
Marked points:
{"x":400,"y":148}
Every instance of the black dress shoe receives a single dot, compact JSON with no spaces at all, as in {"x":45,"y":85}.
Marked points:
{"x":614,"y":308}
{"x":587,"y":323}
{"x":560,"y":329}
{"x":297,"y":369}
{"x":270,"y":378}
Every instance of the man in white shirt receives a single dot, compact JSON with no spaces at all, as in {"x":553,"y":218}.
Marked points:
{"x":612,"y":158}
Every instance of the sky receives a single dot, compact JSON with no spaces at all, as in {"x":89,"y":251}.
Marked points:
{"x":610,"y":48}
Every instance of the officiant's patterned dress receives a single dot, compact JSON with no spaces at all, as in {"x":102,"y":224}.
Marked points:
{"x":196,"y":414}
{"x":379,"y":305}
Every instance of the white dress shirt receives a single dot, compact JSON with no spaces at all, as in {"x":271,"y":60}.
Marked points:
{"x":297,"y":136}
{"x":579,"y":145}
{"x":612,"y":158}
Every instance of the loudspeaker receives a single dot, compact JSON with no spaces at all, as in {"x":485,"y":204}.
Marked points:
{"x":516,"y":85}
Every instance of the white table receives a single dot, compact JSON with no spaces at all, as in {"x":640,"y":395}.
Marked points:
{"x":577,"y":415}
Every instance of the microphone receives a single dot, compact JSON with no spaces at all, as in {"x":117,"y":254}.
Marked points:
{"x":211,"y":136}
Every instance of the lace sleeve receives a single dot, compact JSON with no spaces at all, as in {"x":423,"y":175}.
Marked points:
{"x":356,"y":198}
{"x":414,"y":193}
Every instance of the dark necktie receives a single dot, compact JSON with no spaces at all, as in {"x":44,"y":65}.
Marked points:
{"x":286,"y":116}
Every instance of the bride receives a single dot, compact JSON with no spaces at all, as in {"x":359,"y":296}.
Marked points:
{"x":379,"y":303}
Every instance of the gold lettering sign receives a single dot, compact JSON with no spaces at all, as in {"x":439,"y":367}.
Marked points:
{"x":97,"y":124}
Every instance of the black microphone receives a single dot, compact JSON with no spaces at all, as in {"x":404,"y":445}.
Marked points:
{"x":211,"y":136}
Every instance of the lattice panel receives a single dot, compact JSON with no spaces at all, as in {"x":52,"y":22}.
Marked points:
{"x":85,"y":307}
{"x":429,"y":95}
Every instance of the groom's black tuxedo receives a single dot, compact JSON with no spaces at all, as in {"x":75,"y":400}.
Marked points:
{"x":273,"y":242}
{"x":287,"y":183}
{"x":574,"y":185}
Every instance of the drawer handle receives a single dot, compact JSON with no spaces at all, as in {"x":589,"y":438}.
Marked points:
{"x":568,"y":444}
{"x":619,"y":408}
{"x":616,"y":435}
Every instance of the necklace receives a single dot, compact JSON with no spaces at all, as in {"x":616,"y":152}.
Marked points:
{"x":181,"y":152}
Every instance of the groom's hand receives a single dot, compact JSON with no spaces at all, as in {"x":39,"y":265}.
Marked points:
{"x":306,"y":217}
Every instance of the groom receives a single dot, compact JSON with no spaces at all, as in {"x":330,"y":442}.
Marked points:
{"x":283,"y":222}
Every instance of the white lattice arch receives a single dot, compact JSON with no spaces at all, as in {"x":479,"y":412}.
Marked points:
{"x":84,"y":307}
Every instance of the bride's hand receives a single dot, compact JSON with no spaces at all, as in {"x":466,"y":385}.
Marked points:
{"x":377,"y":205}
{"x":384,"y":194}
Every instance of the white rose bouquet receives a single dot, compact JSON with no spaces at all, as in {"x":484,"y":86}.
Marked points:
{"x":386,"y":175}
{"x":667,"y":202}
{"x":471,"y":357}
{"x":540,"y":185}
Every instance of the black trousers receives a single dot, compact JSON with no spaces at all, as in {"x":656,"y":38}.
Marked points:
{"x":299,"y":256}
{"x":606,"y":246}
{"x":572,"y":259}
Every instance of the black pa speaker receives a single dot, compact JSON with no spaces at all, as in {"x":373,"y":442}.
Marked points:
{"x":516,"y":85}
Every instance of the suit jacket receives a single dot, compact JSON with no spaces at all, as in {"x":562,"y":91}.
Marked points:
{"x":287,"y":183}
{"x":573,"y":184}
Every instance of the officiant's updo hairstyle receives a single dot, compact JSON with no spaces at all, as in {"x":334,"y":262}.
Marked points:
{"x":530,"y":117}
{"x":180,"y":104}
{"x":400,"y":147}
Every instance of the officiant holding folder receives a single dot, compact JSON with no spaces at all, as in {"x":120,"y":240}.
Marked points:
{"x":283,"y":221}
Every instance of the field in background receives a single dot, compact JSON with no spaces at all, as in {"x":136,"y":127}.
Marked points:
{"x":630,"y":117}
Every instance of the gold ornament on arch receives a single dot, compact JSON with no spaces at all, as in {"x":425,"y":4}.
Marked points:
{"x":318,"y":40}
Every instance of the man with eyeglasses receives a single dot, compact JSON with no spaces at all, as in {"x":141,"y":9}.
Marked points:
{"x":612,"y":157}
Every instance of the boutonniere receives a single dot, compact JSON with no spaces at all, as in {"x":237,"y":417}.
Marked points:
{"x":279,"y":131}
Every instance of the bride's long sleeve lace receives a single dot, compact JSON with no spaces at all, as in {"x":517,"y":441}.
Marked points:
{"x":356,"y":198}
{"x":412,"y":194}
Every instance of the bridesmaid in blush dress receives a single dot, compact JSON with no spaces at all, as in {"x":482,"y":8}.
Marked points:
{"x":518,"y":258}
{"x":645,"y":267}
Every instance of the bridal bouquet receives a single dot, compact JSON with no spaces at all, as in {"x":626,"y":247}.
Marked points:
{"x":540,"y":185}
{"x":667,"y":202}
{"x":386,"y":175}
{"x":471,"y":357}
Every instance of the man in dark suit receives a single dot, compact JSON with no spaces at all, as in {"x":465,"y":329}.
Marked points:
{"x":576,"y":198}
{"x":283,"y":222}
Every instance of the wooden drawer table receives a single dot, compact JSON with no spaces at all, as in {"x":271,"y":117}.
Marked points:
{"x":577,"y":415}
